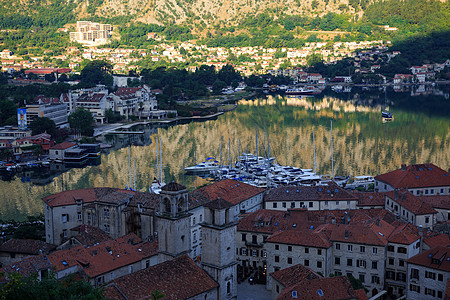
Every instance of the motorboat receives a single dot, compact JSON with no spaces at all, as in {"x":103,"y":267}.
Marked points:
{"x":207,"y":166}
{"x":386,"y":114}
{"x":300,"y":91}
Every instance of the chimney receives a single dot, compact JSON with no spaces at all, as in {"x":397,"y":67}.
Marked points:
{"x":346,"y":234}
{"x":378,"y":222}
{"x":403,"y":167}
{"x":396,"y":194}
{"x":403,"y":196}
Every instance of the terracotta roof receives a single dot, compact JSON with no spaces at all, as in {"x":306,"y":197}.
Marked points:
{"x":412,"y":203}
{"x":405,"y":234}
{"x":435,"y":258}
{"x":33,"y":247}
{"x":416,"y":176}
{"x":103,"y":257}
{"x":306,"y":237}
{"x":173,"y":187}
{"x":370,"y":199}
{"x":331,"y":288}
{"x":437,"y":201}
{"x":433,"y":239}
{"x":361,"y":294}
{"x":294,"y":274}
{"x":63,"y":146}
{"x":330,"y":192}
{"x":179,"y":278}
{"x":27,"y":266}
{"x":90,"y":235}
{"x":230,"y":190}
{"x":369,"y":234}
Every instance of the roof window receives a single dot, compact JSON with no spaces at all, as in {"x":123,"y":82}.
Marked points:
{"x":320,"y":292}
{"x":65,"y":264}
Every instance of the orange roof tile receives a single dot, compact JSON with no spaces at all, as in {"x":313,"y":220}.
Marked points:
{"x":306,"y":237}
{"x":230,"y":190}
{"x":63,"y":146}
{"x":416,"y":176}
{"x":435,"y":258}
{"x":404,"y":234}
{"x":412,"y":203}
{"x":331,"y":288}
{"x":179,"y":278}
{"x":292,"y":275}
{"x":433,"y":239}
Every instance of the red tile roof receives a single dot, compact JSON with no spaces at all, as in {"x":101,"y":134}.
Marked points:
{"x":433,"y":239}
{"x":32,"y":247}
{"x":369,"y":234}
{"x":331,"y":288}
{"x":27,"y":266}
{"x":416,"y":176}
{"x":90,"y":235}
{"x":404,"y":234}
{"x":435,"y":258}
{"x":179,"y":278}
{"x":330,"y":192}
{"x":437,"y":201}
{"x":306,"y":237}
{"x":104,"y":257}
{"x":370,"y":199}
{"x":412,"y":203}
{"x":230,"y":190}
{"x":292,"y":275}
{"x":63,"y":146}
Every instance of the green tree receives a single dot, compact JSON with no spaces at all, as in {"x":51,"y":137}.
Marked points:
{"x":19,"y":287}
{"x":227,"y":74}
{"x":218,"y":86}
{"x":314,"y":59}
{"x":96,"y":72}
{"x":43,"y":124}
{"x":82,"y":120}
{"x":8,"y":112}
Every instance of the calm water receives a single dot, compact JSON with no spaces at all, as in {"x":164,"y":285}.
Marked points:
{"x":362,"y":143}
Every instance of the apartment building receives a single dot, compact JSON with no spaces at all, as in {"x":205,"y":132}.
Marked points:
{"x":327,"y":197}
{"x":420,"y":179}
{"x":428,"y":274}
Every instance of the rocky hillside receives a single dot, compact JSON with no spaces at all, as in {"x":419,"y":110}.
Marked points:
{"x":204,"y":12}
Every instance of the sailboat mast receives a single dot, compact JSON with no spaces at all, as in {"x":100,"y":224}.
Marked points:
{"x":229,"y":152}
{"x":220,"y":158}
{"x":129,"y":166}
{"x":160,"y":160}
{"x":256,"y":132}
{"x":314,"y":150}
{"x":332,"y":161}
{"x":134,"y":176}
{"x":157,"y":159}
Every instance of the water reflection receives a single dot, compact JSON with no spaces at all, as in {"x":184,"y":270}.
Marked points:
{"x":362,"y":143}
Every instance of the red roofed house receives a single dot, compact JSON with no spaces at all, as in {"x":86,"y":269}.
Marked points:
{"x":137,"y":101}
{"x":15,"y":250}
{"x":404,"y":243}
{"x":101,"y":262}
{"x":411,"y":208}
{"x":426,"y":179}
{"x":326,"y":197}
{"x":179,"y":278}
{"x":428,"y":274}
{"x":57,"y":152}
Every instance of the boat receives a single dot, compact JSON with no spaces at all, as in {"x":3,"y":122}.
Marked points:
{"x":300,"y":91}
{"x":209,"y":165}
{"x":386,"y":114}
{"x":362,"y":182}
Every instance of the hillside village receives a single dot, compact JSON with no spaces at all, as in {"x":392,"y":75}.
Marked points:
{"x":308,"y":242}
{"x":367,"y":56}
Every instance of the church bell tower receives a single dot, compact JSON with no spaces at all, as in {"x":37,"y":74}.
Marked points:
{"x":173,"y":222}
{"x":219,"y":246}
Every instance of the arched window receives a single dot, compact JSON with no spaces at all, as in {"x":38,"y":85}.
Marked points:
{"x":167,"y":206}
